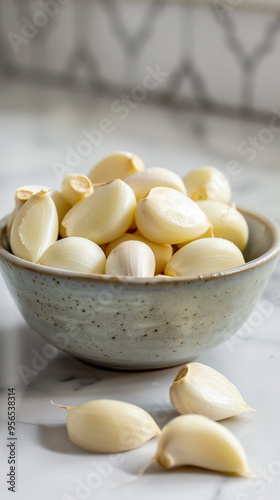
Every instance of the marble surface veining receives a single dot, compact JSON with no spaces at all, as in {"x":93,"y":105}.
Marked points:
{"x":48,"y":466}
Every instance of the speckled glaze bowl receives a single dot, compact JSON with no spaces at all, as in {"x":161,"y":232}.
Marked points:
{"x":136,"y":324}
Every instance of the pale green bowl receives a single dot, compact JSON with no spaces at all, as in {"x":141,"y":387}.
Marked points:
{"x":136,"y":324}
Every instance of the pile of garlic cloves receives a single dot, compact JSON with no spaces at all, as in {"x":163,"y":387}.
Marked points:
{"x":200,"y":394}
{"x":127,"y":220}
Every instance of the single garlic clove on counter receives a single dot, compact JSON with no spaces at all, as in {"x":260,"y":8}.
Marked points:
{"x":131,"y":258}
{"x":118,"y":165}
{"x":168,"y":216}
{"x":75,"y":254}
{"x":204,"y":256}
{"x":35,"y":227}
{"x":144,"y":181}
{"x":207,"y":183}
{"x":197,"y":441}
{"x":227,"y":222}
{"x":162,"y":253}
{"x":109,"y":426}
{"x":104,"y":215}
{"x":76,"y":187}
{"x":197,"y":388}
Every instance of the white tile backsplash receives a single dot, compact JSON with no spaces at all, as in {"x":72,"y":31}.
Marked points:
{"x":228,"y":61}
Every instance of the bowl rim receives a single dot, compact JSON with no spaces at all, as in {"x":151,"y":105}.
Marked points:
{"x":273,"y":252}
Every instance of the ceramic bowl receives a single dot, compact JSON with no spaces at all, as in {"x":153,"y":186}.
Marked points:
{"x":136,"y":324}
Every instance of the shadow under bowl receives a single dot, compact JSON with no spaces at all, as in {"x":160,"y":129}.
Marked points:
{"x":138,"y":323}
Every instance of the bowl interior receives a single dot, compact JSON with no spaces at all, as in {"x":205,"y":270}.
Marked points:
{"x":3,"y":236}
{"x":263,"y":235}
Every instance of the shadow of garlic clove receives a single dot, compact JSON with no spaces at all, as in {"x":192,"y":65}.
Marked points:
{"x":109,"y":426}
{"x":198,"y":388}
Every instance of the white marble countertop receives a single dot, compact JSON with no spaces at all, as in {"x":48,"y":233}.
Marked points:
{"x":48,"y":466}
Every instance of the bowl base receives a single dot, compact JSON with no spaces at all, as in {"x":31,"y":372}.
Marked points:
{"x":138,"y":368}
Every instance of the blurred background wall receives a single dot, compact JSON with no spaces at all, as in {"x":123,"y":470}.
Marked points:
{"x":180,"y":83}
{"x":222,"y":56}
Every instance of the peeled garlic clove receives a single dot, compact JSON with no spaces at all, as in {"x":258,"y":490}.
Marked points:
{"x":162,"y":253}
{"x":62,"y":206}
{"x":118,"y":165}
{"x":227,"y":222}
{"x":25,"y":192}
{"x":124,"y":237}
{"x":104,"y":215}
{"x":198,"y":441}
{"x":109,"y":426}
{"x":197,"y":388}
{"x":168,"y":216}
{"x":22,"y":194}
{"x":131,"y":258}
{"x":144,"y":181}
{"x":209,"y":234}
{"x":35,"y":227}
{"x":204,"y":256}
{"x":207,"y":183}
{"x":75,"y":254}
{"x":76,"y":187}
{"x":162,"y":276}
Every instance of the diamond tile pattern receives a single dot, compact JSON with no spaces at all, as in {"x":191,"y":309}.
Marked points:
{"x":219,"y":59}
